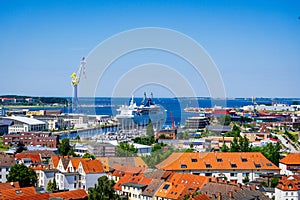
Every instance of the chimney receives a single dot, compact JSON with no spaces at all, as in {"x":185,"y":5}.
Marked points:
{"x":230,"y":194}
{"x":254,"y":187}
{"x":239,"y":186}
{"x":219,"y":196}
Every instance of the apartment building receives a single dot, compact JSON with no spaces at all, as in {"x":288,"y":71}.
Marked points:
{"x":230,"y":166}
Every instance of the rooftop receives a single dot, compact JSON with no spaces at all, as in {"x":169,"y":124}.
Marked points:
{"x":26,"y":120}
{"x":217,"y":161}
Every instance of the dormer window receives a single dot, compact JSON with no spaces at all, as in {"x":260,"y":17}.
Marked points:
{"x":208,"y":165}
{"x":244,"y":160}
{"x":183,"y":166}
{"x":233,"y":165}
{"x":194,"y":160}
{"x":219,"y":160}
{"x":257,"y":165}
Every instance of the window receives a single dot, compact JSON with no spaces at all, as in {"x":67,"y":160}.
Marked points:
{"x":219,"y":160}
{"x":166,"y":186}
{"x":183,"y":166}
{"x":75,"y":185}
{"x":244,"y":160}
{"x":208,"y":165}
{"x":269,"y":164}
{"x":233,"y":174}
{"x":257,"y":165}
{"x":194,"y":160}
{"x":233,"y":165}
{"x":208,"y":174}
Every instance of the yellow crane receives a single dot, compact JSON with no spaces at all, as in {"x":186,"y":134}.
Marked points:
{"x":75,"y":82}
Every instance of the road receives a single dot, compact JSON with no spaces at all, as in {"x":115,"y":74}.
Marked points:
{"x":286,"y":143}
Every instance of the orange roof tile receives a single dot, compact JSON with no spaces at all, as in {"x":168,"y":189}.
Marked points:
{"x":128,"y":169}
{"x":55,"y":160}
{"x":290,"y":183}
{"x":291,"y":159}
{"x":35,"y":158}
{"x":199,"y":197}
{"x":92,"y":166}
{"x":104,"y":161}
{"x":216,"y":161}
{"x":9,"y":185}
{"x":179,"y":185}
{"x":71,"y":195}
{"x":28,"y":193}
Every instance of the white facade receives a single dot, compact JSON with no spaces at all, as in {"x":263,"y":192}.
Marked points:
{"x":286,"y":195}
{"x":4,"y":174}
{"x":284,"y":170}
{"x":25,"y":124}
{"x":69,"y":181}
{"x":44,"y":176}
{"x":88,"y":180}
{"x":231,"y":175}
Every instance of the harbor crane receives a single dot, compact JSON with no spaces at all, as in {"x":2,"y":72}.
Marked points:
{"x":75,"y":82}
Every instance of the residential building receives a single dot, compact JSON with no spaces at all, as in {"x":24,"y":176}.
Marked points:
{"x":28,"y":159}
{"x":25,"y":193}
{"x":196,"y":122}
{"x":142,"y":149}
{"x":290,"y":164}
{"x":225,"y":190}
{"x":4,"y":124}
{"x":70,"y":195}
{"x":119,"y":171}
{"x":25,"y":124}
{"x":109,"y":162}
{"x":166,"y":134}
{"x":44,"y":175}
{"x":6,"y":162}
{"x":90,"y":171}
{"x":67,"y":180}
{"x":102,"y":149}
{"x":233,"y":166}
{"x":288,"y":188}
{"x":177,"y":186}
{"x":45,"y":139}
{"x":80,"y":149}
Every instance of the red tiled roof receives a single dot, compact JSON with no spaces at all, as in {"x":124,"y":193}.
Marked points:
{"x":35,"y":158}
{"x":71,"y":195}
{"x":199,"y":197}
{"x":179,"y":185}
{"x":9,"y":185}
{"x":217,"y":161}
{"x":27,"y":193}
{"x":290,"y":183}
{"x":127,"y":169}
{"x":291,"y":159}
{"x":92,"y":166}
{"x":55,"y":160}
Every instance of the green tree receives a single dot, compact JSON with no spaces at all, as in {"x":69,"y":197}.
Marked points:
{"x":244,"y":144}
{"x":104,"y":190}
{"x":64,"y":148}
{"x":125,"y":149}
{"x":225,"y":120}
{"x":246,"y":179}
{"x":224,"y":148}
{"x":274,"y":182}
{"x":88,"y":155}
{"x":51,"y":186}
{"x":234,"y":145}
{"x":150,"y":129}
{"x":24,"y":175}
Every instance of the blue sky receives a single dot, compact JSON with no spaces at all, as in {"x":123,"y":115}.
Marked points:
{"x":255,"y":44}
